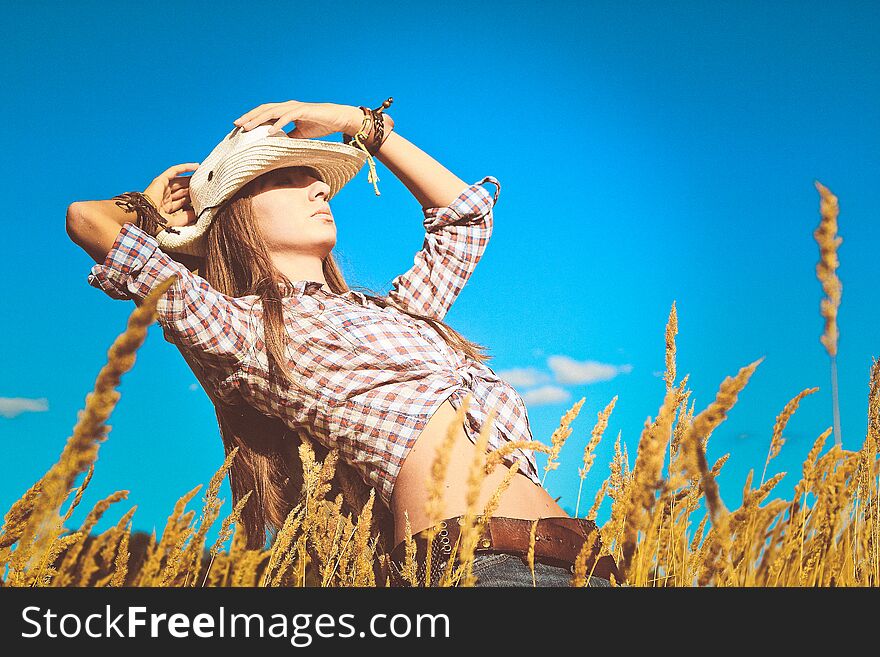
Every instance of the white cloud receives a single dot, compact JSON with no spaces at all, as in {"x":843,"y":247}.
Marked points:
{"x":568,"y":370}
{"x":523,"y":377}
{"x":545,"y":395}
{"x":193,"y":386}
{"x":12,"y":406}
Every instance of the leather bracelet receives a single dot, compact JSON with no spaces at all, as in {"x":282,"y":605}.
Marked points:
{"x":148,"y":218}
{"x":378,"y":131}
{"x":376,"y":134}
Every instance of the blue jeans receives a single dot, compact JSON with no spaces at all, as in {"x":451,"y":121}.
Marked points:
{"x":503,"y":569}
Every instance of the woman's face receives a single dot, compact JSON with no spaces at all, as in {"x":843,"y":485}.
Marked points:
{"x":291,"y":209}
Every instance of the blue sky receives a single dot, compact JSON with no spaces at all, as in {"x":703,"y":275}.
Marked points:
{"x":647,"y":153}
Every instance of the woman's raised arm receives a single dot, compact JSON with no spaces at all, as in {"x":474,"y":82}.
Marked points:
{"x":212,"y":326}
{"x":93,"y":225}
{"x":433,"y":185}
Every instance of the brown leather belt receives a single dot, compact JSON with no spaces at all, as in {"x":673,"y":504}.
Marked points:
{"x":558,"y":540}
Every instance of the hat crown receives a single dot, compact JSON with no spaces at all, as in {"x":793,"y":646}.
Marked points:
{"x":200,"y":184}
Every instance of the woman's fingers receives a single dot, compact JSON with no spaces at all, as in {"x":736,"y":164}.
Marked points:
{"x":177,"y":169}
{"x":179,"y":193}
{"x":265,"y":113}
{"x":179,"y":204}
{"x":248,"y":117}
{"x":180,"y":181}
{"x":282,"y":121}
{"x":259,"y":119}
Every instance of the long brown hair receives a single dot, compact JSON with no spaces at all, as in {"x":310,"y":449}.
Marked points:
{"x":237,"y":264}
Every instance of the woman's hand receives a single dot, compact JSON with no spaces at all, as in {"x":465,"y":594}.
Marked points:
{"x":310,"y":120}
{"x":170,"y":192}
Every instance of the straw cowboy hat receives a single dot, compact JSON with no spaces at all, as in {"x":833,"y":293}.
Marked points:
{"x":243,"y":155}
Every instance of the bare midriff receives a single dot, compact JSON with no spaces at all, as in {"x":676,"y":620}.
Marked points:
{"x":522,"y":499}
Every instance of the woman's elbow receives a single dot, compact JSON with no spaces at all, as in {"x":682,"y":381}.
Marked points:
{"x":75,"y":219}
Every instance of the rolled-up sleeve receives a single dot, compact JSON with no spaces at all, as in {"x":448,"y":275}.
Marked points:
{"x":456,"y":237}
{"x":193,"y":315}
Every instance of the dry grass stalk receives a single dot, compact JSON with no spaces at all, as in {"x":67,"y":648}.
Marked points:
{"x":81,"y":449}
{"x":472,"y":524}
{"x":190,"y":560}
{"x":450,"y":575}
{"x":597,"y":501}
{"x":122,"y":558}
{"x":434,"y":505}
{"x":589,"y":450}
{"x":530,"y":555}
{"x":671,"y":332}
{"x":16,"y":521}
{"x":226,"y":532}
{"x":560,"y":435}
{"x":826,"y":271}
{"x":68,"y":566}
{"x":496,"y":456}
{"x":777,"y":441}
{"x":647,"y":479}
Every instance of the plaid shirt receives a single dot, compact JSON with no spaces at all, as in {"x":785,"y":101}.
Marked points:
{"x":375,"y":376}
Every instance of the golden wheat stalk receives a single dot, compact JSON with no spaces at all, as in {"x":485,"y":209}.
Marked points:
{"x":589,"y":450}
{"x":191,"y":561}
{"x":439,"y":465}
{"x":177,"y":523}
{"x":703,"y":426}
{"x":69,"y":562}
{"x":111,"y":544}
{"x":530,"y":555}
{"x":331,"y":561}
{"x":647,"y":479}
{"x":560,"y":435}
{"x":363,"y":565}
{"x":597,"y":500}
{"x":16,"y":519}
{"x":409,"y":570}
{"x":828,"y":241}
{"x":225,"y":532}
{"x":472,"y":525}
{"x":671,"y":332}
{"x":122,"y":558}
{"x":283,"y":540}
{"x":618,"y":490}
{"x":496,"y":456}
{"x":79,"y":493}
{"x":81,"y":449}
{"x":450,"y":575}
{"x":777,"y":441}
{"x":317,"y":514}
{"x":694,"y":446}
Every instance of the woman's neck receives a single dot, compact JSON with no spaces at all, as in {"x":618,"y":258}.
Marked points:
{"x":300,"y":267}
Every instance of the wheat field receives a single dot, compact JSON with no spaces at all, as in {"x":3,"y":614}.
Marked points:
{"x":826,"y":535}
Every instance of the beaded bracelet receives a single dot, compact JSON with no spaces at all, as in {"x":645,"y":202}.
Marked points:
{"x":148,"y":218}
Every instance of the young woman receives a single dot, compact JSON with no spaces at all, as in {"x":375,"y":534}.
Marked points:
{"x":284,"y":347}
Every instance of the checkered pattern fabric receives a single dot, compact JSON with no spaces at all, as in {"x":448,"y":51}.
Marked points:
{"x":375,"y":375}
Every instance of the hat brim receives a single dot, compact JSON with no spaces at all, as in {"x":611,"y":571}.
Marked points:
{"x":337,"y":163}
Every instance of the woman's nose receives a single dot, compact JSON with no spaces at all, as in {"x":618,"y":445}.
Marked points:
{"x":322,"y":187}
